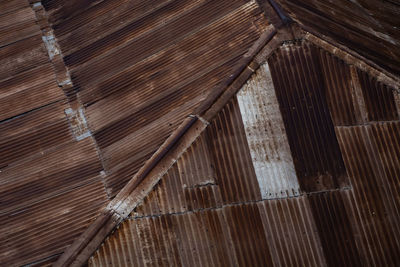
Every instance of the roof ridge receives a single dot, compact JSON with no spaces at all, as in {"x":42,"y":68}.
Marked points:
{"x":138,"y":187}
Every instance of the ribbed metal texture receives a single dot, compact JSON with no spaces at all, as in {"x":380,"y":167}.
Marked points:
{"x":296,"y":72}
{"x":266,"y":135}
{"x":340,"y":92}
{"x":357,"y":225}
{"x":140,"y":67}
{"x":371,"y":154}
{"x":267,"y":233}
{"x":215,"y":170}
{"x":368,"y":26}
{"x":25,"y":71}
{"x":50,"y":188}
{"x":379,"y":99}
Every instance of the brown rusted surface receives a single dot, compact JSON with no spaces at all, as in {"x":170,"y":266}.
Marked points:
{"x":139,"y":187}
{"x":369,"y":27}
{"x":297,"y":76}
{"x":217,"y":222}
{"x":50,"y":187}
{"x":141,"y":67}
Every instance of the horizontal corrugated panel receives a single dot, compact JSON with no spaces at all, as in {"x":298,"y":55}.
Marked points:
{"x":92,"y":24}
{"x":17,"y":25}
{"x":266,"y":135}
{"x":297,"y":76}
{"x":37,"y":87}
{"x":12,"y":5}
{"x":367,"y":27}
{"x":32,"y":134}
{"x":58,"y":170}
{"x":22,"y":56}
{"x":47,"y":227}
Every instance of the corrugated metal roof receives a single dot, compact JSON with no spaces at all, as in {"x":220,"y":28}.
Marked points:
{"x":139,"y":68}
{"x":133,"y":71}
{"x":367,"y":27}
{"x":356,"y":225}
{"x":141,"y":72}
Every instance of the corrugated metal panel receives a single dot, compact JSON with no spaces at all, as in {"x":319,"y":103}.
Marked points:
{"x":268,"y":233}
{"x":333,"y":225}
{"x":31,"y":135}
{"x":371,"y":155}
{"x":191,"y":184}
{"x":291,"y":232}
{"x":297,"y":77}
{"x":357,"y":226}
{"x":379,"y":99}
{"x":143,"y":69}
{"x":216,"y":169}
{"x":368,"y":27}
{"x":265,"y":133}
{"x":340,"y":91}
{"x":50,"y":188}
{"x":47,"y":227}
{"x":231,"y":156}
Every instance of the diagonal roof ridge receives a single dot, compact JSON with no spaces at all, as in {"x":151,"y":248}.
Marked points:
{"x":141,"y":184}
{"x":190,"y":129}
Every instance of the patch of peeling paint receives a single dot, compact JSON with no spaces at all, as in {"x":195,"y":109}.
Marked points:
{"x":266,"y":136}
{"x":51,"y":44}
{"x":78,"y":124}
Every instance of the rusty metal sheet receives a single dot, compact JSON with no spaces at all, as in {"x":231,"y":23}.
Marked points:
{"x":271,"y":232}
{"x":140,"y":73}
{"x":356,"y":225}
{"x":297,"y":77}
{"x":367,"y":27}
{"x":45,"y":228}
{"x":371,"y":154}
{"x":266,"y":136}
{"x":291,"y":233}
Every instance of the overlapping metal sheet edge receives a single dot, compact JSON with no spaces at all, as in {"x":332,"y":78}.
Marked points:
{"x":344,"y":229}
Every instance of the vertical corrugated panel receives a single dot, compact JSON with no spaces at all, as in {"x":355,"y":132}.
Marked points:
{"x":371,"y":156}
{"x":231,"y":156}
{"x":379,"y":99}
{"x":291,"y":232}
{"x":265,"y":133}
{"x":247,"y":233}
{"x":297,"y":77}
{"x":268,"y":233}
{"x":190,"y":184}
{"x":335,"y":232}
{"x":191,"y":239}
{"x":339,"y":90}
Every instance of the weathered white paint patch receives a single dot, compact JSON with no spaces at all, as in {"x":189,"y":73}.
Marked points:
{"x":266,"y":136}
{"x":51,"y":44}
{"x":78,"y":124}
